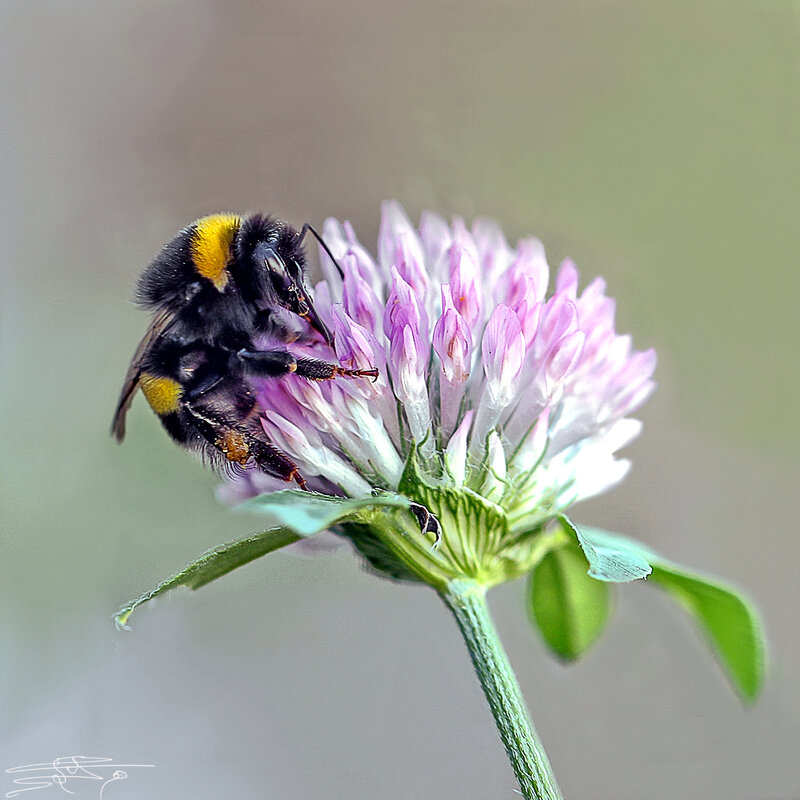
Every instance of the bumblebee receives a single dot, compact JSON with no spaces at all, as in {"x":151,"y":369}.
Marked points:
{"x":223,"y":286}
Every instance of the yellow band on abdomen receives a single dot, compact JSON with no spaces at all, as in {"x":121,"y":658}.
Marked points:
{"x":163,"y":394}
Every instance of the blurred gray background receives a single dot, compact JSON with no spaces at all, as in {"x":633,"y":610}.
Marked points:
{"x":653,"y":142}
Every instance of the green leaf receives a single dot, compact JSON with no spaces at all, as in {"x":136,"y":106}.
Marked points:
{"x":307,"y":513}
{"x":569,"y":607}
{"x":294,"y":514}
{"x":727,"y":619}
{"x":214,"y":564}
{"x":611,"y":558}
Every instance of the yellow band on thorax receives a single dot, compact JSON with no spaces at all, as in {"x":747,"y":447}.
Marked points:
{"x":211,"y":246}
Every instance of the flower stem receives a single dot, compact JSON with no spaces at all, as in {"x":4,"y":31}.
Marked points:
{"x":467,"y":600}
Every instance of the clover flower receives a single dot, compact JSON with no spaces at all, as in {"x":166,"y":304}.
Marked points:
{"x":498,"y":404}
{"x":491,"y":389}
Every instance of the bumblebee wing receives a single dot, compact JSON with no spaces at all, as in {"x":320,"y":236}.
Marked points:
{"x":157,"y":328}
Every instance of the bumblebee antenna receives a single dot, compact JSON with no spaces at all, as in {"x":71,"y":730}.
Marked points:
{"x":305,"y":230}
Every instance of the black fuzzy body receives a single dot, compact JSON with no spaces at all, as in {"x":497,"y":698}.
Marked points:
{"x":215,"y":290}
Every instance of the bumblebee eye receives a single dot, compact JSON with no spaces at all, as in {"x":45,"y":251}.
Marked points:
{"x":275,"y":265}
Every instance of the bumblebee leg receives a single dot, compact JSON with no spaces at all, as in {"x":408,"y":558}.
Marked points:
{"x":323,"y":371}
{"x":270,"y":459}
{"x":267,"y":363}
{"x":239,"y":446}
{"x":272,"y":363}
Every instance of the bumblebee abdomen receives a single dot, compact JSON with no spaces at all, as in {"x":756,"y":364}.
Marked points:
{"x":163,"y":394}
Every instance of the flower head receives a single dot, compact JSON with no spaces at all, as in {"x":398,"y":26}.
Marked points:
{"x":497,"y":404}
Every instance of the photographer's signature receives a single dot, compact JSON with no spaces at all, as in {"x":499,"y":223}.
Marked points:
{"x":70,"y":774}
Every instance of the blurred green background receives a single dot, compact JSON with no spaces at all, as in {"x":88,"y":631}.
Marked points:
{"x":653,"y":142}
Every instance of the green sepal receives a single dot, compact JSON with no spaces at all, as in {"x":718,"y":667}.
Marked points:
{"x":415,"y":474}
{"x":470,"y":523}
{"x":569,"y":607}
{"x":612,"y":558}
{"x":294,"y":515}
{"x":471,"y":508}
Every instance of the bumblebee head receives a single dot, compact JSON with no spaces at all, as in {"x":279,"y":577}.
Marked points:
{"x":287,"y":278}
{"x":272,"y":269}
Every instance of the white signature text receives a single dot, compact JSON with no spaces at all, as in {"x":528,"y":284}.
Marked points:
{"x":71,"y":774}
